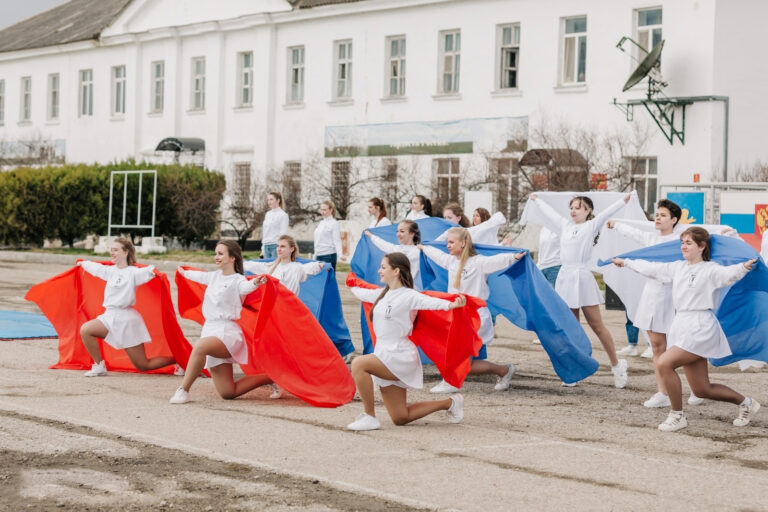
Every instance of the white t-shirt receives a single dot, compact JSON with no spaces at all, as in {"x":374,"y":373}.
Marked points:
{"x":120,"y":291}
{"x":411,"y":251}
{"x":376,"y":223}
{"x":328,"y":237}
{"x":224,"y":295}
{"x":290,"y":274}
{"x":275,"y":225}
{"x":416,"y":215}
{"x":474,"y":275}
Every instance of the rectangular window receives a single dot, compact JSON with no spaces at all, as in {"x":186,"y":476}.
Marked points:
{"x":245,"y":79}
{"x":295,"y":93}
{"x":504,"y":177}
{"x":645,"y":180}
{"x":26,"y":99}
{"x":292,"y":183}
{"x":118,"y":90}
{"x":340,"y":186}
{"x":389,"y":177}
{"x":53,"y":96}
{"x":242,"y":181}
{"x":450,"y":61}
{"x":395,"y":66}
{"x":574,"y":50}
{"x":342,"y":69}
{"x":2,"y":102}
{"x":508,"y":55}
{"x":648,"y":29}
{"x":197,"y":101}
{"x":158,"y":86}
{"x":447,"y":190}
{"x":85,"y":98}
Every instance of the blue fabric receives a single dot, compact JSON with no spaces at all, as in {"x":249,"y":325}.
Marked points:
{"x":16,"y":325}
{"x":743,"y":306}
{"x":482,"y":354}
{"x":320,"y":293}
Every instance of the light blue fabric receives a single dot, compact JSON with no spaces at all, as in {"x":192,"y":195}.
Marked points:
{"x":16,"y":325}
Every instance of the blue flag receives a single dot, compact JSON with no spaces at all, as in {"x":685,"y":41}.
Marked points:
{"x":743,"y":307}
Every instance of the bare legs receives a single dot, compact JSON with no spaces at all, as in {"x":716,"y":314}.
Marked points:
{"x":595,"y":321}
{"x":483,"y":367}
{"x":363,"y":367}
{"x":659,"y":346}
{"x":92,"y":330}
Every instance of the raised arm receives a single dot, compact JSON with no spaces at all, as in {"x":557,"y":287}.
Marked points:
{"x":663,"y":272}
{"x":197,"y":276}
{"x":419,"y":301}
{"x":382,"y":244}
{"x":144,"y":274}
{"x":644,"y":238}
{"x":438,"y":256}
{"x":366,"y":294}
{"x":96,"y":269}
{"x":248,"y":286}
{"x":257,"y":267}
{"x":549,"y":212}
{"x":491,"y":264}
{"x":602,"y":217}
{"x":496,"y":220}
{"x":311,"y":269}
{"x":723,"y":276}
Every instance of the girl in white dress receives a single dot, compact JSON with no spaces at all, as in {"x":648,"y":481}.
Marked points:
{"x":328,"y":246}
{"x":120,"y":325}
{"x":575,"y":282}
{"x":275,"y":224}
{"x":378,"y":211}
{"x":409,"y":236}
{"x":421,"y":208}
{"x":222,"y":342}
{"x":695,"y":334}
{"x":395,"y":365}
{"x":468,"y":273}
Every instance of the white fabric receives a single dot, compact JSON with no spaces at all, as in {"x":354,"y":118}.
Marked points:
{"x":393,"y":320}
{"x":695,"y":293}
{"x":411,"y":251}
{"x":328,"y":237}
{"x":549,"y":249}
{"x":120,"y":290}
{"x":486,"y":232}
{"x":375,"y":223}
{"x":416,"y":215}
{"x":764,"y":246}
{"x":125,"y":327}
{"x":274,"y":226}
{"x":290,"y":274}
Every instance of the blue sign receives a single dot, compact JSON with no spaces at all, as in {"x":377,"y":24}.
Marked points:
{"x":692,"y":204}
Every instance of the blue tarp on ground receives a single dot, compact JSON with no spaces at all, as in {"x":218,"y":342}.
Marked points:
{"x":16,"y":325}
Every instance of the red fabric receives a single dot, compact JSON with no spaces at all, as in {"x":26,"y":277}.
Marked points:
{"x":74,"y":297}
{"x":448,"y":338}
{"x":284,"y":340}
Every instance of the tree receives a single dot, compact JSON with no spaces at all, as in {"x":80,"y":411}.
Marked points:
{"x":245,"y":206}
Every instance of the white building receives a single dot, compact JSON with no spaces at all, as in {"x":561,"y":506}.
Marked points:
{"x":272,"y":84}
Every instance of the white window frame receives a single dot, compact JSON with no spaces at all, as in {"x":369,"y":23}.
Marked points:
{"x":118,"y":75}
{"x":395,"y":62}
{"x":85,"y":93}
{"x":157,"y":96}
{"x":505,"y":46}
{"x":449,"y":62}
{"x":2,"y":102}
{"x":197,"y":84}
{"x":579,"y":58}
{"x":25,"y":103}
{"x":294,"y":93}
{"x":244,"y":79}
{"x":644,"y":34}
{"x":342,"y":69}
{"x":54,"y":96}
{"x":642,"y":171}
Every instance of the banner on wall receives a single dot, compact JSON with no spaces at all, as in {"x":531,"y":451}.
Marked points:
{"x":692,"y":204}
{"x":761,"y":218}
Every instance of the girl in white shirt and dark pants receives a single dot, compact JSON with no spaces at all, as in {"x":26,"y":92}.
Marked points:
{"x":275,"y":224}
{"x":328,"y":236}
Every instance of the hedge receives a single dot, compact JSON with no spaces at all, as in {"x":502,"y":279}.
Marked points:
{"x":71,"y":201}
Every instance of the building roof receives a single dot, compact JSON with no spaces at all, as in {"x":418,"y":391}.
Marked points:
{"x":77,"y":20}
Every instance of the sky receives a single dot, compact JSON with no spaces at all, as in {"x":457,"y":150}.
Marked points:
{"x":12,"y":11}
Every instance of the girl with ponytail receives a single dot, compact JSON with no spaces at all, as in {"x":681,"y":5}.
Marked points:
{"x":409,"y":236}
{"x":285,"y":268}
{"x":421,"y":208}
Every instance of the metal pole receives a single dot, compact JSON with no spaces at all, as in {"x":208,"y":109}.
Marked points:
{"x":125,"y":195}
{"x":154,"y":202}
{"x":138,"y":213}
{"x":111,"y":185}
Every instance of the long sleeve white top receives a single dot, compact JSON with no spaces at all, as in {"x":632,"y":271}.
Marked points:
{"x":694,"y":287}
{"x":274,"y":226}
{"x":474,"y":275}
{"x":120,"y":290}
{"x":291,"y":274}
{"x":224,"y":295}
{"x":549,"y":249}
{"x":486,"y":232}
{"x":328,"y":237}
{"x":376,"y":223}
{"x":416,"y":215}
{"x":412,"y":252}
{"x":642,"y":237}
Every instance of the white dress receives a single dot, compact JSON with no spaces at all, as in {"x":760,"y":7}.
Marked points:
{"x":290,"y":274}
{"x":328,"y":237}
{"x":474,"y":280}
{"x":376,"y":223}
{"x":411,"y":251}
{"x":222,"y":304}
{"x":575,"y":282}
{"x":486,"y":233}
{"x":125,"y":326}
{"x":393,"y":320}
{"x":695,"y":293}
{"x":655,"y":311}
{"x":416,"y":215}
{"x":274,"y":226}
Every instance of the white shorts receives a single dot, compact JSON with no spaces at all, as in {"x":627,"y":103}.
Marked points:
{"x":125,"y":328}
{"x":231,"y":335}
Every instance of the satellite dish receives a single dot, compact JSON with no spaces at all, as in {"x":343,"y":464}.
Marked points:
{"x":647,"y":65}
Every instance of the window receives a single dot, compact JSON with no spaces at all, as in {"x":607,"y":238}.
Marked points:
{"x":245,"y":79}
{"x":242,"y":184}
{"x":450,"y":61}
{"x":197,"y":102}
{"x":340,"y":186}
{"x":389,"y":185}
{"x":53,"y":96}
{"x":26,"y":99}
{"x":644,"y":180}
{"x":509,"y":53}
{"x":395,"y":66}
{"x":118,"y":90}
{"x":2,"y":102}
{"x":342,"y":69}
{"x":292,"y":183}
{"x":447,"y":190}
{"x":86,"y":93}
{"x":504,"y":176}
{"x":295,"y":93}
{"x":575,"y":51}
{"x":649,"y":28}
{"x":158,"y":86}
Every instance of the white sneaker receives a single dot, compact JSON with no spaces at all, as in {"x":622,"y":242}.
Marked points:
{"x":444,"y":387}
{"x":456,"y":411}
{"x":348,"y":358}
{"x":97,"y":370}
{"x":365,"y":422}
{"x":180,"y":396}
{"x":674,"y":422}
{"x":277,"y":392}
{"x":502,"y":384}
{"x":537,"y":341}
{"x":657,"y":400}
{"x":620,"y":374}
{"x":629,"y":350}
{"x":746,"y":413}
{"x":178,"y":370}
{"x":647,"y":353}
{"x":695,"y":400}
{"x":568,"y":384}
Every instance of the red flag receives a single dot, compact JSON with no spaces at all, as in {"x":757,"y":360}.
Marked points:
{"x":448,"y":338}
{"x":74,"y":297}
{"x":284,"y":342}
